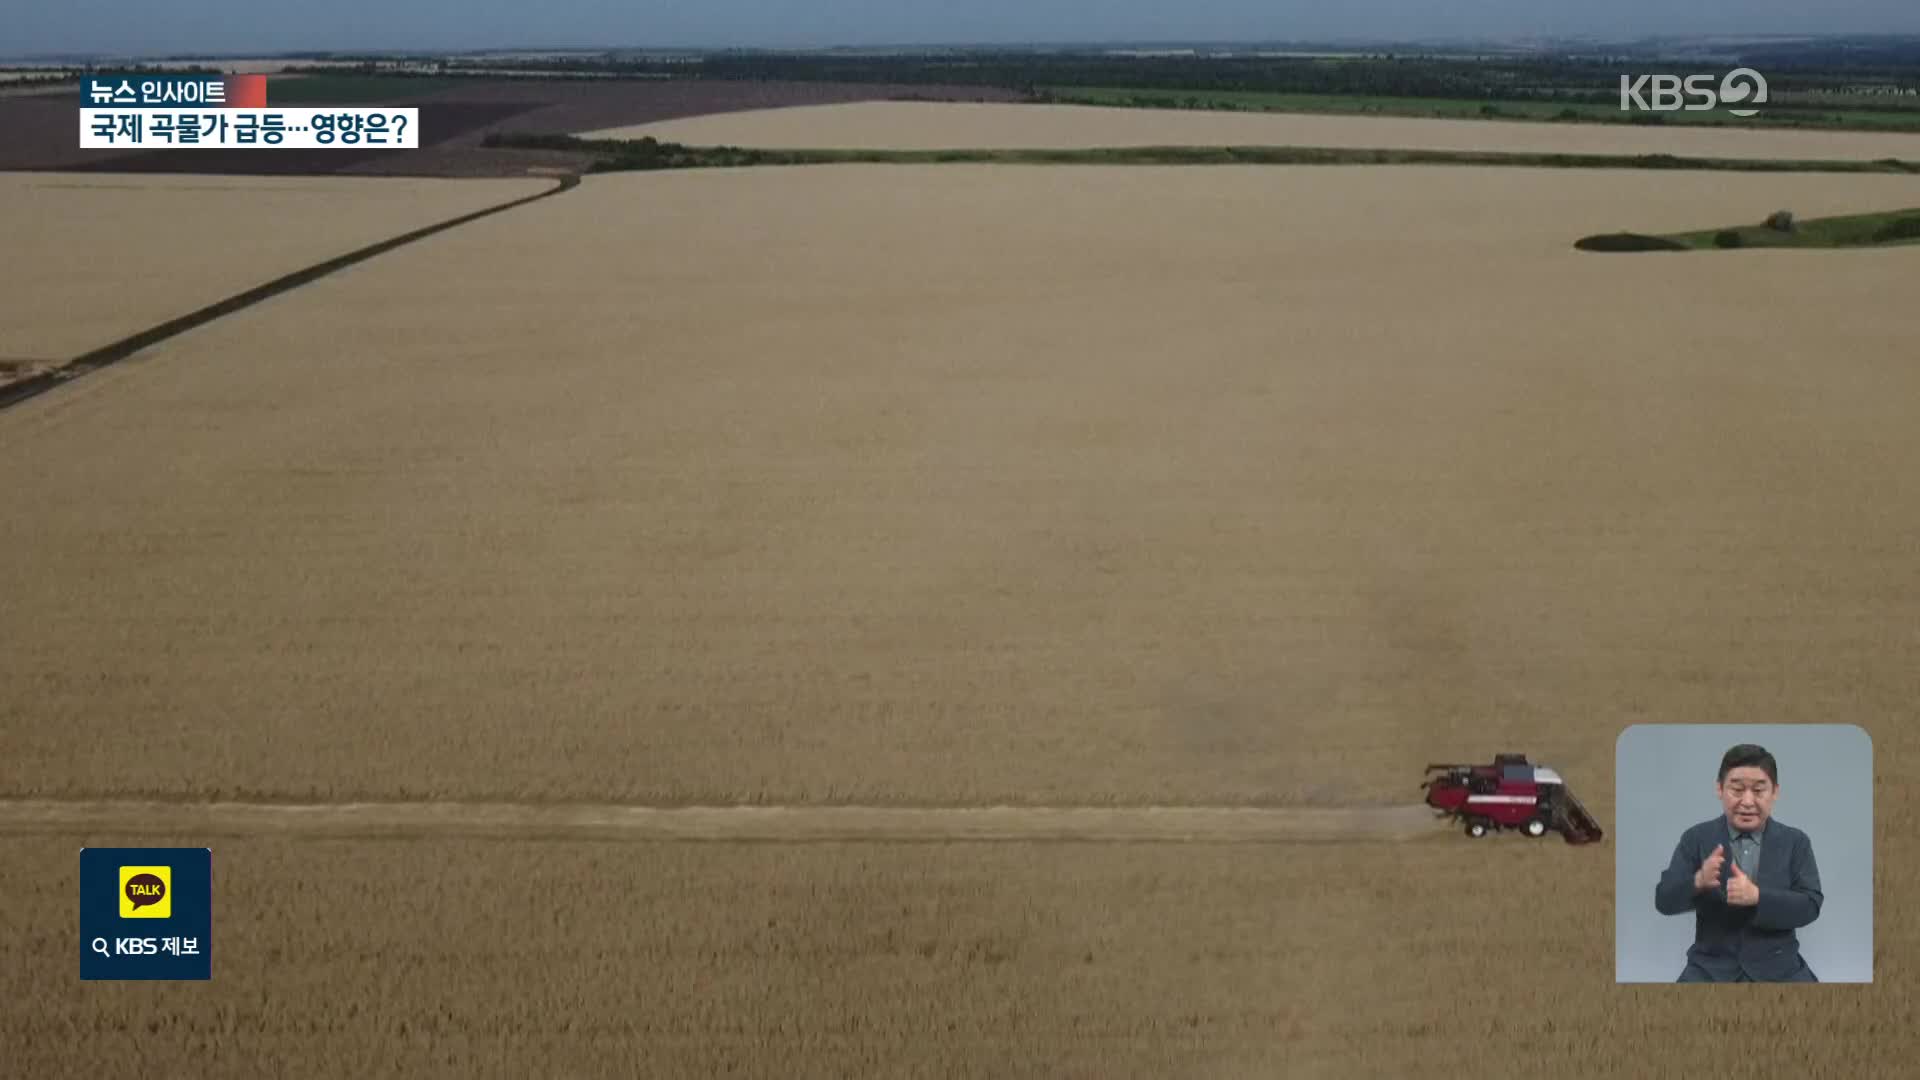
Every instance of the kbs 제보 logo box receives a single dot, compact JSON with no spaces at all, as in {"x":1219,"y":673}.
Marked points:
{"x":146,"y":913}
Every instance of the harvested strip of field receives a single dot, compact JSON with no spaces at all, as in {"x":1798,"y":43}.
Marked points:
{"x":908,"y":485}
{"x":91,"y":259}
{"x":785,"y":824}
{"x":912,"y":125}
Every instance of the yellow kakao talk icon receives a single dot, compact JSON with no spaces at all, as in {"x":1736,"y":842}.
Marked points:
{"x":146,"y":892}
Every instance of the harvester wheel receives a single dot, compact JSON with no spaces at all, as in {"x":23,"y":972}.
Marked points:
{"x":1476,"y":829}
{"x":1536,"y":828}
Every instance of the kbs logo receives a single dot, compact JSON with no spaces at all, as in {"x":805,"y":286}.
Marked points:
{"x":1741,"y":87}
{"x":146,"y":892}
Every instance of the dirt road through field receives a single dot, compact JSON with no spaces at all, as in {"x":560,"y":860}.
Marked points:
{"x":22,"y":381}
{"x":780,"y":824}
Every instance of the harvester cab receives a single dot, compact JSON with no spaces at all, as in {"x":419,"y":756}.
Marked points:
{"x":1510,"y":793}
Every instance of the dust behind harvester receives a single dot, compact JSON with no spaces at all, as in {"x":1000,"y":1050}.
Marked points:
{"x":1511,"y":793}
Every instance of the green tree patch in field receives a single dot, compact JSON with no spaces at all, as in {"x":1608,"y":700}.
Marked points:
{"x":1598,"y":104}
{"x":617,"y":155}
{"x":1626,"y":241}
{"x":1903,"y":228}
{"x":1848,"y":231}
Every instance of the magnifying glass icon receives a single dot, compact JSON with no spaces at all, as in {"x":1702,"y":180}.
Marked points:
{"x":100,"y":946}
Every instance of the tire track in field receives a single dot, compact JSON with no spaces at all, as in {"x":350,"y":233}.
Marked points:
{"x":34,"y":385}
{"x":749,"y":824}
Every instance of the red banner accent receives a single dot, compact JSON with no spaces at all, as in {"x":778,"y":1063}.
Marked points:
{"x":246,"y":91}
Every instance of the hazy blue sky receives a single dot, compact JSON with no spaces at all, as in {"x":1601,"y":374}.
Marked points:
{"x":175,"y":26}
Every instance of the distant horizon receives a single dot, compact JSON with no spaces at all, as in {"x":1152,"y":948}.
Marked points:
{"x":1369,"y":44}
{"x":211,"y":28}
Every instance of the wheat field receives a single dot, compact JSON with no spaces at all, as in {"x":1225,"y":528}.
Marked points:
{"x":925,"y":125}
{"x":964,"y":485}
{"x":92,"y":257}
{"x":399,"y":958}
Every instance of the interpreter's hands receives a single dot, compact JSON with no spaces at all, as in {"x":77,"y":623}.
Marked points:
{"x":1741,"y":891}
{"x":1708,"y":876}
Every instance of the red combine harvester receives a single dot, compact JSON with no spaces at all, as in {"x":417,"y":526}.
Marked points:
{"x":1511,"y":793}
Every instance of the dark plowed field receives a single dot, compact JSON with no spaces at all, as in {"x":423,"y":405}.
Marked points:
{"x":44,"y":133}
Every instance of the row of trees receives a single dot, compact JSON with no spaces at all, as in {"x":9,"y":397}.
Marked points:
{"x":1530,"y":78}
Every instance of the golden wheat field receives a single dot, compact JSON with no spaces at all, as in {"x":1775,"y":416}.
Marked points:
{"x":970,"y":484}
{"x":92,"y":258}
{"x":962,"y":486}
{"x":924,"y":125}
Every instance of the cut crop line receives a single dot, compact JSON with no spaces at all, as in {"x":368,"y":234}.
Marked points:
{"x":767,"y":824}
{"x":33,"y":386}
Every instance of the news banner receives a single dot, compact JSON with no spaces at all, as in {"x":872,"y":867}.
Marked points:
{"x":227,"y":112}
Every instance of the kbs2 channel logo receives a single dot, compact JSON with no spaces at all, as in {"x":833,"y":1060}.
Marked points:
{"x":146,"y":892}
{"x":1739,"y":92}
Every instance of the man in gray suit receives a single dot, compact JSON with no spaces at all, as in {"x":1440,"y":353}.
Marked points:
{"x":1745,"y":910}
